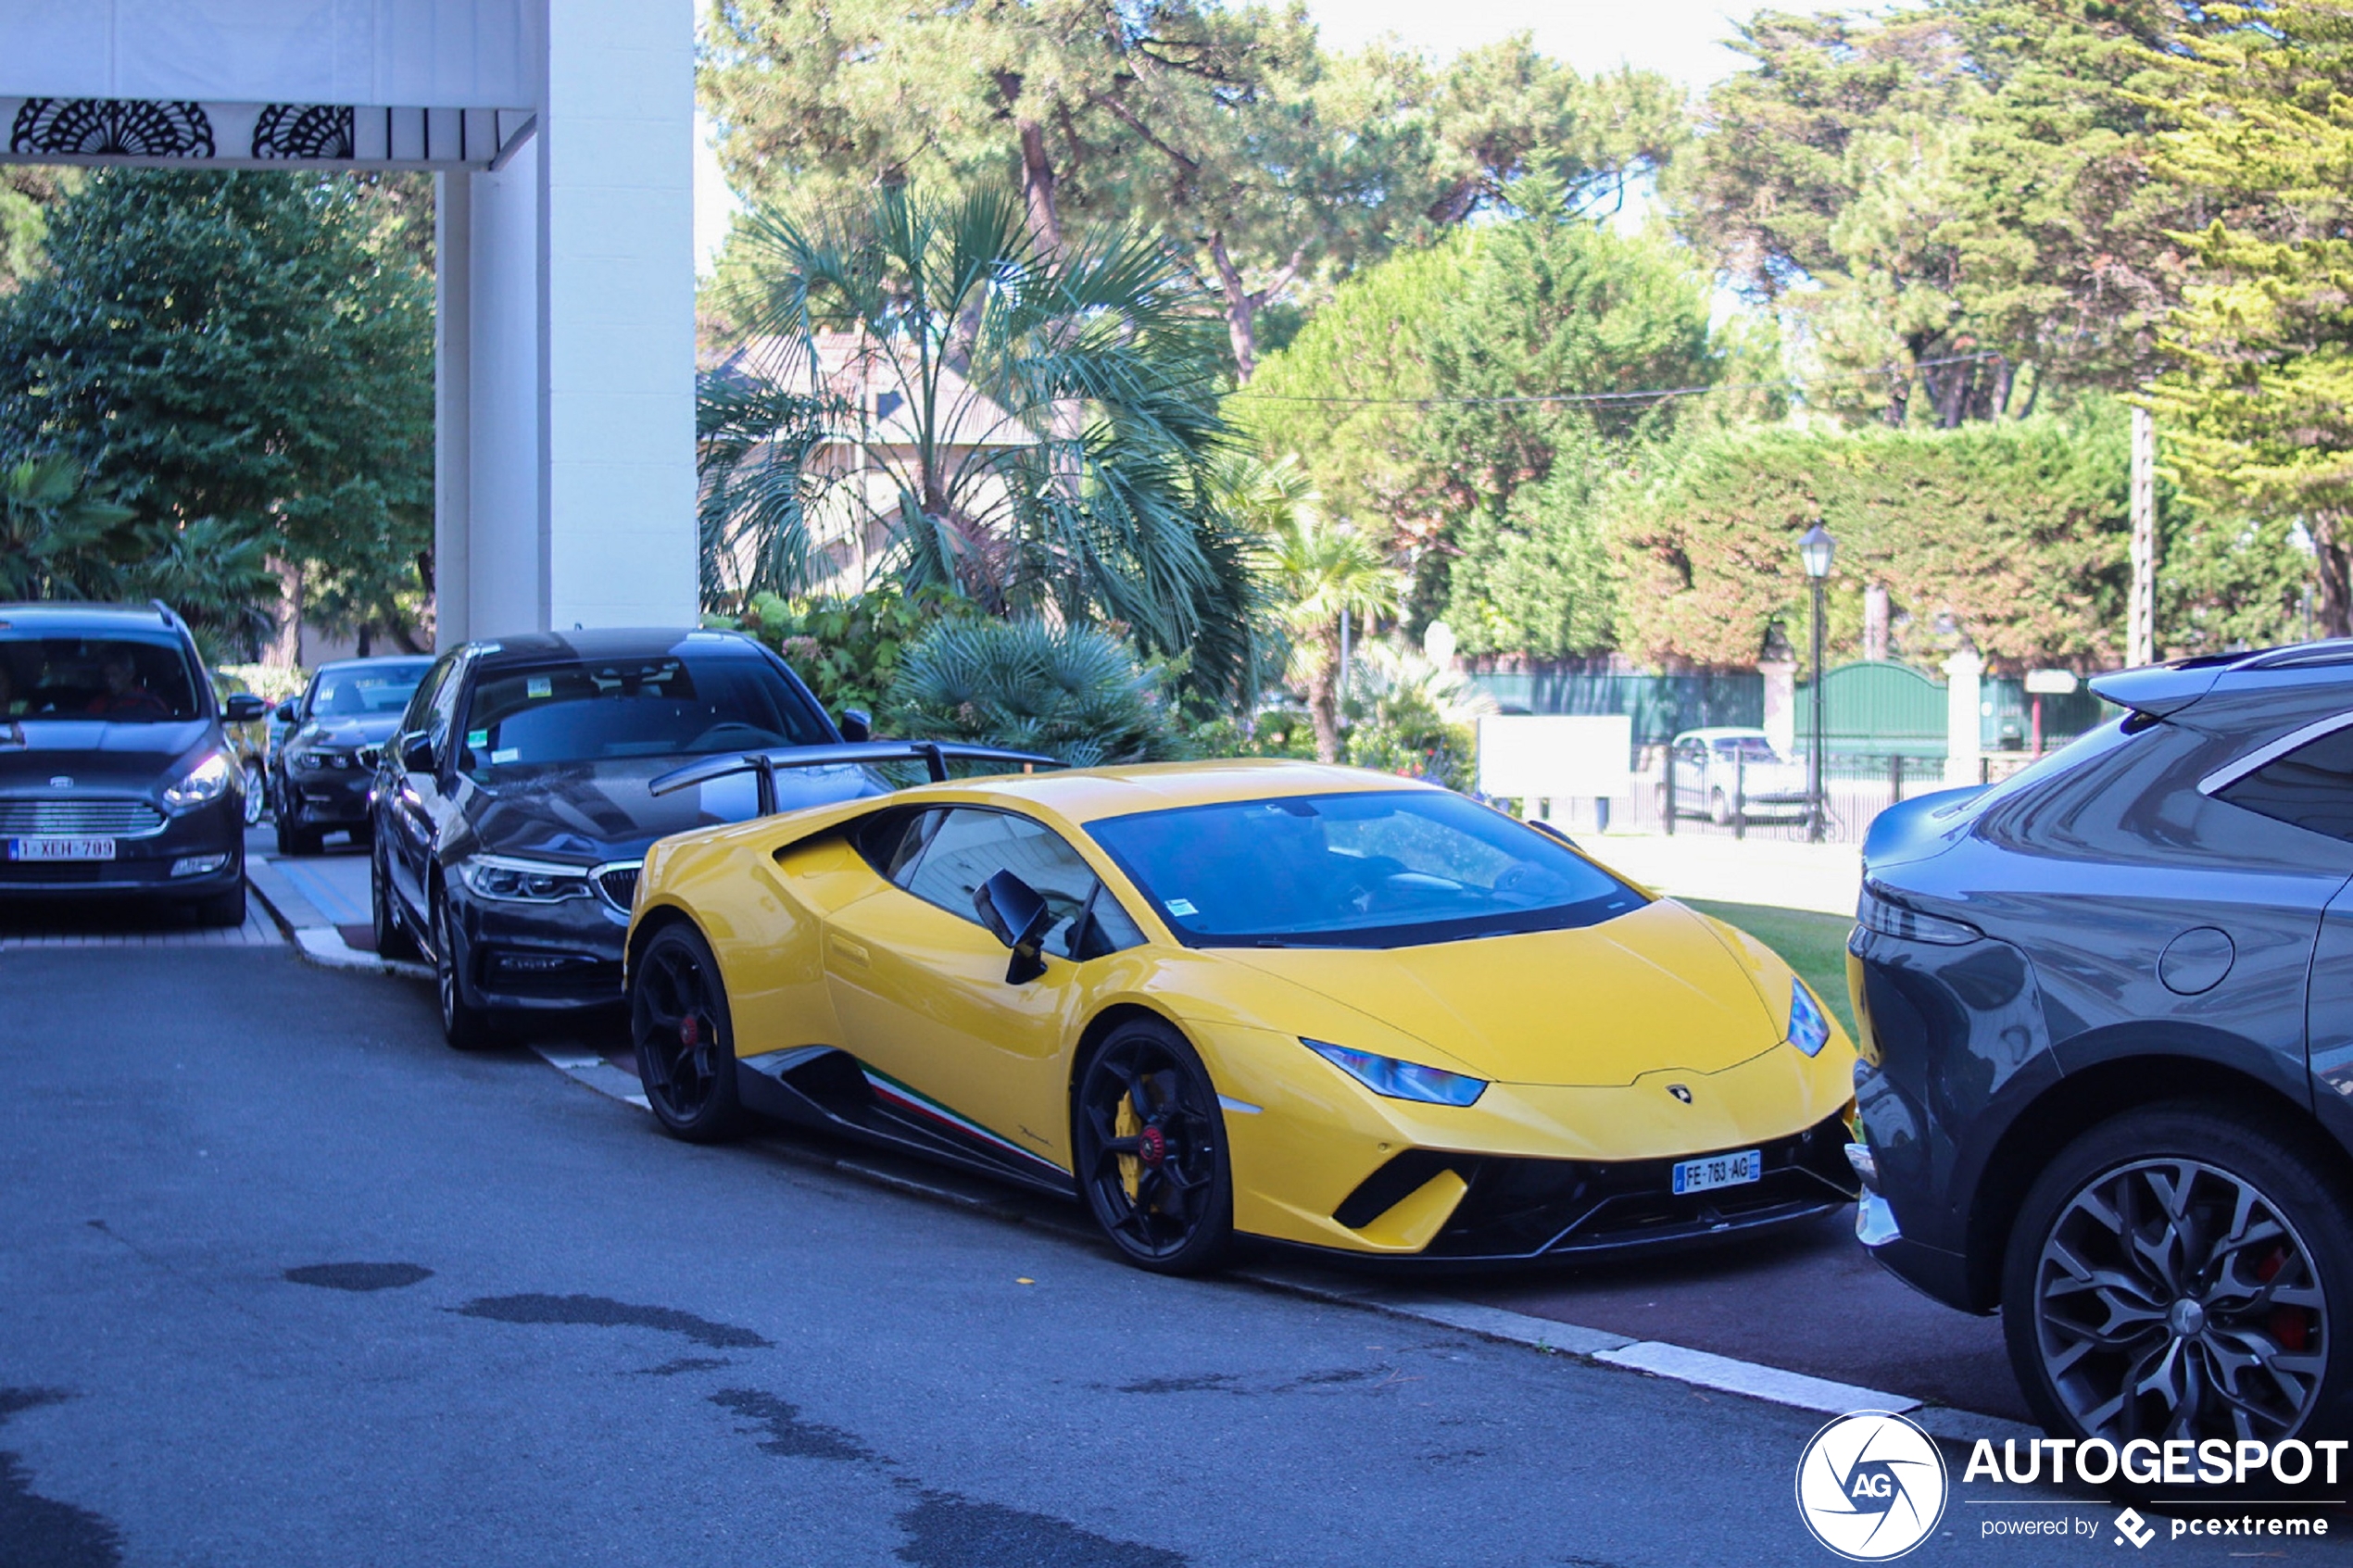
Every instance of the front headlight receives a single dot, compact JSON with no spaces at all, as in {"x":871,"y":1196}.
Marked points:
{"x":1400,"y":1080}
{"x":1808,"y":1030}
{"x":522,"y":881}
{"x":200,"y":785}
{"x":1885,"y":917}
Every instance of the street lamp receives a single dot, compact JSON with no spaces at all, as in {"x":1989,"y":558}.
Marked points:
{"x":1815,"y":550}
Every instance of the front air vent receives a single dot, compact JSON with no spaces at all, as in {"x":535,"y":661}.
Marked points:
{"x":617,"y":883}
{"x":98,"y":819}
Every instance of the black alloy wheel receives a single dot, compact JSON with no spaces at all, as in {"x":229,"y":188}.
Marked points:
{"x":685,"y":1045}
{"x":1151,"y":1146}
{"x":293,"y":838}
{"x":257,"y":797}
{"x":393,"y":940}
{"x":2179,"y":1274}
{"x":464,"y":1025}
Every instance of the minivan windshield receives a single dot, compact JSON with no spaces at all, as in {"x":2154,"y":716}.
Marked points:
{"x":1384,"y":868}
{"x":657,"y":705}
{"x":120,"y":679}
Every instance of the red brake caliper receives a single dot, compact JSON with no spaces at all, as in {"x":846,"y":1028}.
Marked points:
{"x":2290,"y":1325}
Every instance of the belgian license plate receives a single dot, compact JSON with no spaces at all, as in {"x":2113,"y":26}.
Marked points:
{"x":61,"y":849}
{"x":1718,"y":1171}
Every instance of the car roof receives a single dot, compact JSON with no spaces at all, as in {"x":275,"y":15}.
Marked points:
{"x":621,"y":642}
{"x":1083,"y":795}
{"x":1724,"y":731}
{"x":79,"y":615}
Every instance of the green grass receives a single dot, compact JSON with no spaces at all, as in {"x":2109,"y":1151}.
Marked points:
{"x":1813,"y":944}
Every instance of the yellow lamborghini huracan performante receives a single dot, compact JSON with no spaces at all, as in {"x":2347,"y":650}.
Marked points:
{"x":1274,"y":999}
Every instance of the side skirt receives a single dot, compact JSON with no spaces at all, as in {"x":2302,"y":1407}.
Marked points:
{"x":821,"y":1086}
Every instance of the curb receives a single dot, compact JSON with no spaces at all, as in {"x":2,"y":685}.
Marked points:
{"x":313,"y":936}
{"x":1651,"y":1358}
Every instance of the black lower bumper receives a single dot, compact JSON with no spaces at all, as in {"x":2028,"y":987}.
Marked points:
{"x":1524,"y":1209}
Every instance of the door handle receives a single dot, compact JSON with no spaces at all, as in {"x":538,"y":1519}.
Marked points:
{"x":851,"y":952}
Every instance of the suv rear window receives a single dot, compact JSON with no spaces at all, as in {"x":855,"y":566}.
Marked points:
{"x":124,"y":679}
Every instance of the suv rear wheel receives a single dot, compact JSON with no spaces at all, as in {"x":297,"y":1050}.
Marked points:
{"x":2179,"y":1271}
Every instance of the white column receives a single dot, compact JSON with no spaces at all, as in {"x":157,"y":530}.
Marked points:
{"x":453,"y":421}
{"x":1781,"y":704}
{"x":616,"y":133}
{"x":1963,"y":756}
{"x":507,"y":561}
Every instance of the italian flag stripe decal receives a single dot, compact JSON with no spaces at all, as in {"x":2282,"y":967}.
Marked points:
{"x":900,"y":1094}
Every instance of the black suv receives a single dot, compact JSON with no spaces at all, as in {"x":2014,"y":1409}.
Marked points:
{"x":115,"y":774}
{"x":511,"y":812}
{"x":2106,"y":1015}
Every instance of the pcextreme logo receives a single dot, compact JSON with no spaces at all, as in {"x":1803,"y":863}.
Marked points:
{"x":1871,"y":1486}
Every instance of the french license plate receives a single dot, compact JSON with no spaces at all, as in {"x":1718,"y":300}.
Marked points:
{"x":1718,"y":1171}
{"x":61,"y":849}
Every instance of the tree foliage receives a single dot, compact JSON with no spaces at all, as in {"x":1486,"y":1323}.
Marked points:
{"x":240,"y":348}
{"x":2010,"y":536}
{"x":1076,"y":693}
{"x":1226,"y":131}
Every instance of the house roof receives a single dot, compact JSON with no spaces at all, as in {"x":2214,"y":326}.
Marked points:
{"x":879,"y":380}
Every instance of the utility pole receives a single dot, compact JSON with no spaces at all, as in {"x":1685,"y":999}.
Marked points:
{"x":2140,"y":632}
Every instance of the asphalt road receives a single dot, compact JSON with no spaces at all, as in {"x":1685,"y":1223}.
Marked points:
{"x":284,"y":1280}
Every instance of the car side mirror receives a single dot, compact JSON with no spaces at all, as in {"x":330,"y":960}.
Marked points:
{"x":857,"y":725}
{"x":242,"y":708}
{"x":1016,"y":913}
{"x":286,"y":711}
{"x":416,"y":753}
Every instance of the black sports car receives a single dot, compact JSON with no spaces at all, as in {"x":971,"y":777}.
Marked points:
{"x":512,"y":812}
{"x":2107,"y":1014}
{"x":319,"y":773}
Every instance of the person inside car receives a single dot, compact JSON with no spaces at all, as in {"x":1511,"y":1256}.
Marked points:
{"x":124,"y":696}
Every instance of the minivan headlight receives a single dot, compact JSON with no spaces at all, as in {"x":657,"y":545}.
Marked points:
{"x":1400,"y":1080}
{"x":200,"y":785}
{"x":523,"y":880}
{"x":1885,"y":917}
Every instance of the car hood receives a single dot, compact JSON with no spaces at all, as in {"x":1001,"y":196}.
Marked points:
{"x":373,"y":730}
{"x":96,"y":754}
{"x":596,"y":811}
{"x":1599,"y":1005}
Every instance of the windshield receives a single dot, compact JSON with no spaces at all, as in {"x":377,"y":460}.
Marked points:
{"x":1381,"y":869}
{"x":376,"y":691}
{"x":660,"y":705}
{"x":126,"y":680}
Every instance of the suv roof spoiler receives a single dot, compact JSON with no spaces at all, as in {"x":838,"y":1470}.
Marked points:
{"x":765,"y":765}
{"x":2159,"y":689}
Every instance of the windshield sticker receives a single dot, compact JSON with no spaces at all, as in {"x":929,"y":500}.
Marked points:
{"x":506,"y":754}
{"x":538,"y":686}
{"x":477,"y":737}
{"x":1181,"y":907}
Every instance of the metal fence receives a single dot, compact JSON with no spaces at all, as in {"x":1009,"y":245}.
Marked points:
{"x":1857,"y":786}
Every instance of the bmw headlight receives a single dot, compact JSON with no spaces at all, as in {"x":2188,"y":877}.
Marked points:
{"x":1808,"y":1030}
{"x":1400,"y":1080}
{"x":200,"y":785}
{"x":523,"y":880}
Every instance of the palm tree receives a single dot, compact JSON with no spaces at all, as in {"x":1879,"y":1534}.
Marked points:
{"x":1325,"y":571}
{"x":1051,"y":418}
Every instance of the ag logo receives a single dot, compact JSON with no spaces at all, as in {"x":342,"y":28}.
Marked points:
{"x":1871,"y":1486}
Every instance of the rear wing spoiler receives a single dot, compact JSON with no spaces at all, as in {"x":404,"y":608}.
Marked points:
{"x":764,"y":765}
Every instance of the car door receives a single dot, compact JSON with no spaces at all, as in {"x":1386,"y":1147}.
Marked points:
{"x":1691,"y":776}
{"x":408,"y":816}
{"x":919,"y":983}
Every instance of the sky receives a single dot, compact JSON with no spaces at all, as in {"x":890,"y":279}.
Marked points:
{"x":1677,"y":37}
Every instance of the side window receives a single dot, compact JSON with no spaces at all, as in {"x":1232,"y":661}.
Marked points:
{"x":964,"y":846}
{"x":412,"y":718}
{"x":893,"y":842}
{"x":2309,"y":787}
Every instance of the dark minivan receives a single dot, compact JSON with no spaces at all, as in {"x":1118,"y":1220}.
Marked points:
{"x":116,"y":776}
{"x":512,"y":812}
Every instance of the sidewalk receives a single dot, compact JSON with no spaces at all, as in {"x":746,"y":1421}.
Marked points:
{"x":320,"y":899}
{"x":1824,"y":878}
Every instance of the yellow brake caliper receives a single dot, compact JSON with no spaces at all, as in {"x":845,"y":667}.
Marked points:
{"x":1125,"y":1123}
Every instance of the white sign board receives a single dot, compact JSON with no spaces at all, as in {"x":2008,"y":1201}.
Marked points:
{"x":2050,"y":683}
{"x":1556,"y":756}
